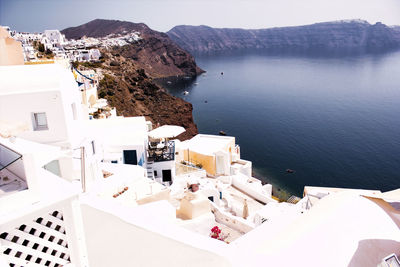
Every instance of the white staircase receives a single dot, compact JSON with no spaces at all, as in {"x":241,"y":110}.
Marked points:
{"x":150,"y":172}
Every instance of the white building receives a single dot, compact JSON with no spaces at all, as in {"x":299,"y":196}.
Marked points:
{"x":49,"y":111}
{"x":26,"y":37}
{"x":49,"y":102}
{"x":39,"y":223}
{"x":29,"y":53}
{"x":218,"y":155}
{"x":123,"y":140}
{"x":55,"y":37}
{"x":48,"y":45}
{"x":88,"y":81}
{"x":94,"y":54}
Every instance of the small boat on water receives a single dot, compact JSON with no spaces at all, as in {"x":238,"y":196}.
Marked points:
{"x":185,"y":93}
{"x":222,"y":133}
{"x":169,"y":82}
{"x":290,"y":171}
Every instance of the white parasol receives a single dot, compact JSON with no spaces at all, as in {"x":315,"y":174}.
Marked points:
{"x":166,"y":131}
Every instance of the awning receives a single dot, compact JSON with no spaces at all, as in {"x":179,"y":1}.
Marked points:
{"x":42,"y":153}
{"x":7,"y":156}
{"x":166,"y":131}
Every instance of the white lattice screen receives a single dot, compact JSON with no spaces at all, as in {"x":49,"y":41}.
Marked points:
{"x":40,"y":242}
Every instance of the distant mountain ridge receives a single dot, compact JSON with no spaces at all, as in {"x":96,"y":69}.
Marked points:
{"x":102,"y":27}
{"x":337,"y":36}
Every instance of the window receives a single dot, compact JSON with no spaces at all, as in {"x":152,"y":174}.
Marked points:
{"x":391,"y":260}
{"x":130,"y":157}
{"x":93,"y":148}
{"x":53,"y":167}
{"x":39,"y":121}
{"x":155,"y":173}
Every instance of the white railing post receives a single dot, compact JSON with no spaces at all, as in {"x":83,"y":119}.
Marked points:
{"x":75,"y":233}
{"x":83,"y":169}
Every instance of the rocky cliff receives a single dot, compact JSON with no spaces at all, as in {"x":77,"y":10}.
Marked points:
{"x":127,"y":73}
{"x":128,"y":87}
{"x":339,"y":36}
{"x":155,"y":51}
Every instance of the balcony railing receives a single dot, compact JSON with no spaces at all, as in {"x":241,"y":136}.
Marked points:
{"x":185,"y":167}
{"x":161,"y":151}
{"x":237,"y":149}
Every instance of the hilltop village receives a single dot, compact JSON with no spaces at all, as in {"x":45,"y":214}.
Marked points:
{"x":52,"y":44}
{"x":82,"y":185}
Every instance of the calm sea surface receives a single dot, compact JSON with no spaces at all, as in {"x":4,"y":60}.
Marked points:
{"x":334,"y":120}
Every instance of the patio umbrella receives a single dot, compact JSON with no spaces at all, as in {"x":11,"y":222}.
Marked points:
{"x":166,"y":131}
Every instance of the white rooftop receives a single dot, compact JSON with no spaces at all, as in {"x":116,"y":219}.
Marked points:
{"x":119,"y":131}
{"x":166,"y":131}
{"x":207,"y":144}
{"x":342,"y":229}
{"x":127,"y":185}
{"x":33,"y":78}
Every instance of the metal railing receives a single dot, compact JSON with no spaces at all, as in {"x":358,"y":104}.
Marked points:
{"x":159,"y":153}
{"x":185,"y":168}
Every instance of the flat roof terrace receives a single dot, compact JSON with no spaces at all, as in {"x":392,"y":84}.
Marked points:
{"x":10,"y":183}
{"x":33,"y":78}
{"x":208,"y":144}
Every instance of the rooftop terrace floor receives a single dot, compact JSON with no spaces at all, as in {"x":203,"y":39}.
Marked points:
{"x":204,"y":223}
{"x":10,"y":183}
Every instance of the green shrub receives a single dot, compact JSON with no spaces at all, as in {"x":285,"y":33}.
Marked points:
{"x":41,"y":47}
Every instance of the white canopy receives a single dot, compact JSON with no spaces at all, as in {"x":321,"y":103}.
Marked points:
{"x":166,"y":131}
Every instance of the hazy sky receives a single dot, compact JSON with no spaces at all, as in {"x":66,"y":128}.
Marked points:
{"x":38,"y":15}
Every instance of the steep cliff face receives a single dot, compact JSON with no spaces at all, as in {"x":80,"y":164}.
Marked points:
{"x":155,"y":51}
{"x":127,"y":87}
{"x":128,"y":72}
{"x":341,"y":36}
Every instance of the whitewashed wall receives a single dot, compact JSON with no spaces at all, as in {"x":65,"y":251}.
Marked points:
{"x":112,"y":241}
{"x":164,"y":165}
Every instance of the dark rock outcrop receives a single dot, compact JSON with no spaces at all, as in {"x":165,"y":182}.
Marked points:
{"x":339,"y":36}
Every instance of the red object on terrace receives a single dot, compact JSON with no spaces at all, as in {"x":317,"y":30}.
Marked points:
{"x":215,"y":231}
